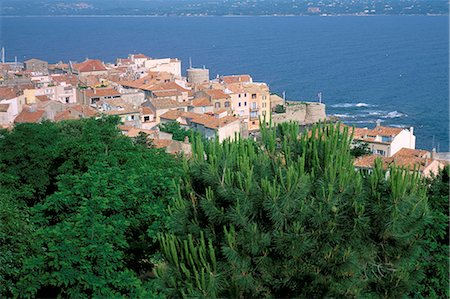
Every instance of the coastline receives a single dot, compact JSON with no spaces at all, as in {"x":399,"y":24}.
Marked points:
{"x":222,"y":16}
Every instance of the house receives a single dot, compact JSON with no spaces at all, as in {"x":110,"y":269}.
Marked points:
{"x":218,"y":97}
{"x":7,"y":115}
{"x":385,"y":141}
{"x":148,"y":120}
{"x":167,"y":90}
{"x":92,"y":96}
{"x":236,"y":79}
{"x":217,"y":125}
{"x":65,"y":90}
{"x":129,"y":114}
{"x":75,"y":112}
{"x":407,"y":158}
{"x":89,"y":67}
{"x":50,"y":107}
{"x":201,"y":105}
{"x":30,"y":115}
{"x":36,"y":65}
{"x":250,"y":102}
{"x":161,"y":106}
{"x":169,"y":65}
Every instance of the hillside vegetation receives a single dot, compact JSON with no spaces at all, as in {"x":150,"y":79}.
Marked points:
{"x":86,"y":213}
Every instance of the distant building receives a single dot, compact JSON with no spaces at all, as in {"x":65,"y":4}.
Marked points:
{"x":30,"y":115}
{"x":411,"y":159}
{"x":386,"y":141}
{"x":89,"y":67}
{"x":36,"y":65}
{"x":218,"y":125}
{"x":92,"y":96}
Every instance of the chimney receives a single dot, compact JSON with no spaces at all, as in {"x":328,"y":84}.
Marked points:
{"x":411,"y":129}
{"x":378,"y":122}
{"x":433,"y":154}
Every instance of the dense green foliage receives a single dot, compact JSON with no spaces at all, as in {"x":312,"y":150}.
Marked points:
{"x":174,"y":128}
{"x":280,"y":109}
{"x":80,"y":209}
{"x":86,"y":212}
{"x":359,"y":149}
{"x":290,"y":217}
{"x":435,"y":257}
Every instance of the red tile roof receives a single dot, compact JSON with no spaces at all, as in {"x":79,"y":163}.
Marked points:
{"x":201,"y":102}
{"x":236,"y":79}
{"x":43,"y":98}
{"x":102,"y":92}
{"x":166,"y":93}
{"x":140,"y":56}
{"x":26,"y":116}
{"x":89,"y":65}
{"x":216,"y":94}
{"x":7,"y":93}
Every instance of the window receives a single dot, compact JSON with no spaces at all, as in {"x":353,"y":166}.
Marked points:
{"x":67,"y":99}
{"x":264,"y":98}
{"x":380,"y":152}
{"x":245,"y":94}
{"x":254,"y":106}
{"x":386,"y":139}
{"x":217,"y":105}
{"x":264,"y":105}
{"x":253,"y":95}
{"x":239,"y":104}
{"x":239,"y":95}
{"x":245,"y":103}
{"x":227,"y":104}
{"x":146,"y":118}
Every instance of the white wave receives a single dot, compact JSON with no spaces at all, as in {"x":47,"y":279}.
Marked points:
{"x":394,"y":114}
{"x":344,"y":115}
{"x":350,"y":105}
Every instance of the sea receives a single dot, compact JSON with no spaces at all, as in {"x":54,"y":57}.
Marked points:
{"x":390,"y":69}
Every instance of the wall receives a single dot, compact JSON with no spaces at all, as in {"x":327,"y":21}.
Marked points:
{"x":229,"y":131}
{"x":135,"y":98}
{"x":404,"y":139}
{"x":302,"y":112}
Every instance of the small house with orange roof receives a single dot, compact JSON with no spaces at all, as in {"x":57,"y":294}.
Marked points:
{"x":385,"y":141}
{"x":201,"y":105}
{"x":89,"y":67}
{"x":410,"y":159}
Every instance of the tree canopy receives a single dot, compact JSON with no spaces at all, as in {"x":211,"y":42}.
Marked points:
{"x":290,"y":217}
{"x":87,"y":212}
{"x":81,"y":208}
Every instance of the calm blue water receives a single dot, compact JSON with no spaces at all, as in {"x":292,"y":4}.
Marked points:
{"x":390,"y":68}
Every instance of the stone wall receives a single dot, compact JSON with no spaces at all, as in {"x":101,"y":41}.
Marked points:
{"x":302,"y":112}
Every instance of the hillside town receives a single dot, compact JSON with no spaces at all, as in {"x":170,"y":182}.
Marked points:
{"x":147,"y":93}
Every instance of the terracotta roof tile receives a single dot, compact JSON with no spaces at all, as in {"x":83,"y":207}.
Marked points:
{"x":216,"y":94}
{"x":166,"y":103}
{"x":27,"y":116}
{"x":7,"y":93}
{"x":201,"y":102}
{"x":90,"y":65}
{"x":102,"y":92}
{"x":236,"y":79}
